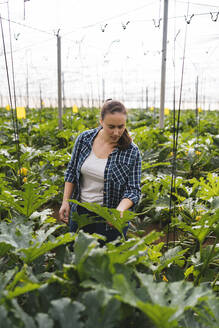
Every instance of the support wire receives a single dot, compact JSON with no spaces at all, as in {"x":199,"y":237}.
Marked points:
{"x":13,"y":111}
{"x":176,"y":134}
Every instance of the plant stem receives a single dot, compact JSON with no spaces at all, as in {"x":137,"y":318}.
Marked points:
{"x":205,"y":265}
{"x":215,"y":280}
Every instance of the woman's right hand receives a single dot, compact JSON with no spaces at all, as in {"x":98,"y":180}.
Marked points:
{"x":64,"y":212}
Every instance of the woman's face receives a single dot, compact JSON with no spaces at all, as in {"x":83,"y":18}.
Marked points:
{"x":113,"y":126}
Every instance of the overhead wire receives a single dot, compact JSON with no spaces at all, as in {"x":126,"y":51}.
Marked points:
{"x":198,"y":4}
{"x":31,"y":46}
{"x":113,"y":17}
{"x":110,"y":18}
{"x":27,"y":26}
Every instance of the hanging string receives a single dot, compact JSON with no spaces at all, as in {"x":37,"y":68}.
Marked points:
{"x":181,"y":83}
{"x":173,"y":175}
{"x":13,"y":111}
{"x":157,"y":24}
{"x":176,"y":131}
{"x":14,"y":89}
{"x":197,"y":111}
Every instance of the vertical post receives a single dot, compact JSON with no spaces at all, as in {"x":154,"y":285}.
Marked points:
{"x":142,"y":98}
{"x":41,"y":103}
{"x":196,"y":98}
{"x":27,"y":90}
{"x":197,"y":113}
{"x":147,"y":98}
{"x":154,"y":95}
{"x":59,"y":80}
{"x":163,"y":68}
{"x":103,"y":90}
{"x":92,"y":96}
{"x":63,"y":91}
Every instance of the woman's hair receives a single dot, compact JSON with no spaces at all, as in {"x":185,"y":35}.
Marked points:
{"x":113,"y":106}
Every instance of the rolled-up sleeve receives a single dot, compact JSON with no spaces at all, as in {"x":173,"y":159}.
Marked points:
{"x":70,"y":173}
{"x":133,"y":188}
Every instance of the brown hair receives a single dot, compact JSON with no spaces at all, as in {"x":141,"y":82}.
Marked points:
{"x":113,"y":106}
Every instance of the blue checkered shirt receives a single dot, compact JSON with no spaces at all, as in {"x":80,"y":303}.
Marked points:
{"x":122,"y":173}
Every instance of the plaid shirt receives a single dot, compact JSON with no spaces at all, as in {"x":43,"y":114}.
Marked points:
{"x":122,"y":173}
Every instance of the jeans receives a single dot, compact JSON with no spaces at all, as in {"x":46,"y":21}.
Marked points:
{"x":100,"y":228}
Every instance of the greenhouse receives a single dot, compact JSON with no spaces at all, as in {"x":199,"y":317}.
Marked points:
{"x":109,"y":164}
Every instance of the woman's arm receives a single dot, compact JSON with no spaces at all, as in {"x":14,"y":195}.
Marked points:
{"x":70,"y":179}
{"x":132,"y":190}
{"x":65,"y":208}
{"x":124,"y":205}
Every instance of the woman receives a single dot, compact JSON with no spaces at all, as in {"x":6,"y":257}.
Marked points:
{"x":105,"y":168}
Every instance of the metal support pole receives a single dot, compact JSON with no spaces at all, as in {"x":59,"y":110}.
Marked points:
{"x":41,"y":103}
{"x":63,"y":92}
{"x":59,"y":80}
{"x":27,"y":90}
{"x":146,"y":98}
{"x":163,"y":68}
{"x":196,"y":98}
{"x":103,"y":90}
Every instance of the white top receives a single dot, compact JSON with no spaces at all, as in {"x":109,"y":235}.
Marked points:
{"x":92,"y":179}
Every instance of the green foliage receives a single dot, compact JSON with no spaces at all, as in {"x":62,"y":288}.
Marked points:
{"x":52,"y":278}
{"x":29,"y":199}
{"x":111,"y":215}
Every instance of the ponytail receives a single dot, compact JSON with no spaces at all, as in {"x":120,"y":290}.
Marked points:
{"x":124,"y":141}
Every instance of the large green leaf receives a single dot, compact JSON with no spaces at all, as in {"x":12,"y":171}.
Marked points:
{"x":22,"y":319}
{"x":44,"y":321}
{"x":15,"y":283}
{"x":173,"y":255}
{"x":66,"y":313}
{"x":83,"y":220}
{"x":5,"y":279}
{"x":20,"y":290}
{"x":4,"y":319}
{"x":4,"y":248}
{"x":28,"y":200}
{"x":111,"y":215}
{"x":160,"y":315}
{"x":83,"y":246}
{"x":101,"y":310}
{"x":33,"y":252}
{"x":16,"y":234}
{"x":179,"y":295}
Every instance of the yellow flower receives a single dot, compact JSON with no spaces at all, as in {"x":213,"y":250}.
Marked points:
{"x":24,"y":179}
{"x":21,"y":112}
{"x":166,"y":111}
{"x":151,"y":108}
{"x":75,"y":109}
{"x":198,"y":152}
{"x":198,"y":218}
{"x":8,"y":107}
{"x":199,"y":109}
{"x":23,"y":171}
{"x":165,"y":278}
